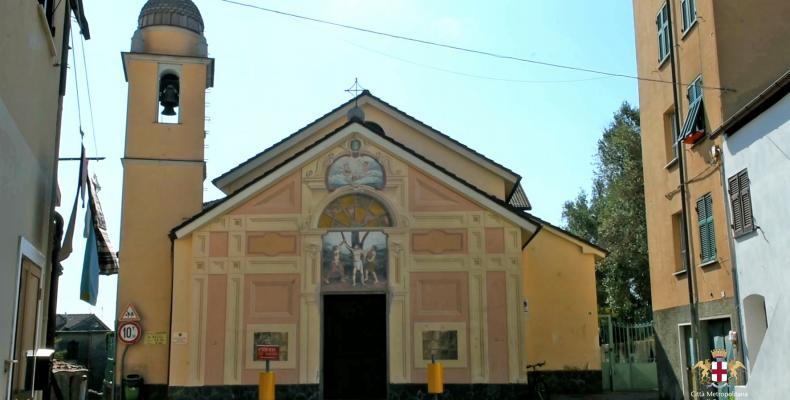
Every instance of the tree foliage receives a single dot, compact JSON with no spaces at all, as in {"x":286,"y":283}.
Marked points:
{"x":613,"y":217}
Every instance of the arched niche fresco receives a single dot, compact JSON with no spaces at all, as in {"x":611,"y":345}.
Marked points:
{"x":354,"y":251}
{"x":355,"y":210}
{"x":355,"y":169}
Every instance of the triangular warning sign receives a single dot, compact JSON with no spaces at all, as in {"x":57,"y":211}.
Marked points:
{"x":129,"y":314}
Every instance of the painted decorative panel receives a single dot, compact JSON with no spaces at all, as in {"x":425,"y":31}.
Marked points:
{"x":283,"y":197}
{"x":496,"y":298}
{"x":442,"y":345}
{"x":440,"y":296}
{"x":271,"y":243}
{"x":447,"y":342}
{"x":495,"y":240}
{"x":215,"y":329}
{"x":218,"y":244}
{"x":354,"y":260}
{"x":360,"y":169}
{"x":426,"y":194}
{"x":271,"y":297}
{"x":355,"y":211}
{"x":439,"y":241}
{"x":281,"y":335}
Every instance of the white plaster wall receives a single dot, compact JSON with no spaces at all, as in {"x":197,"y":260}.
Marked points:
{"x":763,"y":146}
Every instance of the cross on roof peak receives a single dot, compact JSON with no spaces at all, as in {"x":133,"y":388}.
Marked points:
{"x":355,"y":89}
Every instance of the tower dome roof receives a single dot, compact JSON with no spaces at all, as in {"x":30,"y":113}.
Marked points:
{"x":180,"y":13}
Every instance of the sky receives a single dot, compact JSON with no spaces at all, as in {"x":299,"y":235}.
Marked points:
{"x":275,"y":74}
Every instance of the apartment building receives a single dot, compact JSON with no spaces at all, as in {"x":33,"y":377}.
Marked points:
{"x":724,"y":53}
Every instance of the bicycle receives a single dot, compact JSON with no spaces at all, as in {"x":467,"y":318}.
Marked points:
{"x":538,"y":390}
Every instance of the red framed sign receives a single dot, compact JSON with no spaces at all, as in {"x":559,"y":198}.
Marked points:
{"x":267,"y":352}
{"x":130,"y":332}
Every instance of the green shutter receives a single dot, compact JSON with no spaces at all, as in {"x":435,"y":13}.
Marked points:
{"x":707,"y":234}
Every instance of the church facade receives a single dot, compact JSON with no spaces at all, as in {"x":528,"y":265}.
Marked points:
{"x":363,"y":246}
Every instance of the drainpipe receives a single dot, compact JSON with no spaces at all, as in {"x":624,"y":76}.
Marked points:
{"x":55,"y":220}
{"x":690,"y":269}
{"x":55,"y":268}
{"x":744,"y":351}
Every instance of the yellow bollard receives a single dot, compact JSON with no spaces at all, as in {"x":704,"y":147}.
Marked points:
{"x":266,"y":383}
{"x":435,"y":378}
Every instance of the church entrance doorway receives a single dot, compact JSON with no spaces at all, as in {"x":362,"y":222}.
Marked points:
{"x":355,"y":347}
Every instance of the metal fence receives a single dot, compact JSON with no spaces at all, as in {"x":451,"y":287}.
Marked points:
{"x":628,"y":355}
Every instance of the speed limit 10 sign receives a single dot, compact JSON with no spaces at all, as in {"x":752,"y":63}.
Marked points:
{"x":129,"y":332}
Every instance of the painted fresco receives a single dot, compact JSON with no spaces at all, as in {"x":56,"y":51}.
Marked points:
{"x":354,"y":211}
{"x":441,"y":344}
{"x":354,"y":260}
{"x":355,"y":169}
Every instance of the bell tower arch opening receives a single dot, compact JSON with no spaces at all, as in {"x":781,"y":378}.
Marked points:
{"x":169,"y":98}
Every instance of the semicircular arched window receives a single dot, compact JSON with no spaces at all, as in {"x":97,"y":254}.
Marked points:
{"x":355,"y":211}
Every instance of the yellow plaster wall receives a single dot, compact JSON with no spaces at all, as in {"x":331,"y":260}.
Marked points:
{"x":463,"y":167}
{"x":183,"y":315}
{"x":562,"y":322}
{"x":147,"y":139}
{"x":156,"y":197}
{"x":160,"y":39}
{"x":697,"y":53}
{"x":160,"y":191}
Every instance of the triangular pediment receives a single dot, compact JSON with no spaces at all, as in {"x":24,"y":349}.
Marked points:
{"x":491,"y":177}
{"x":432,"y":188}
{"x":426,"y":194}
{"x":282,"y":197}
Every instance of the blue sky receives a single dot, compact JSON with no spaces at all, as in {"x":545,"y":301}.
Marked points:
{"x":275,"y":74}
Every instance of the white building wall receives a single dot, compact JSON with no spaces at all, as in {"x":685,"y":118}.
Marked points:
{"x":763,"y":256}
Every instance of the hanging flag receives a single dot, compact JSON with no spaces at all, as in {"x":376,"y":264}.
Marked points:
{"x":99,"y":255}
{"x":108,"y":260}
{"x":66,"y":249}
{"x":89,"y":286}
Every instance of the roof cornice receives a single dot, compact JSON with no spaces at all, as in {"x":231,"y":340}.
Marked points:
{"x":339,"y":112}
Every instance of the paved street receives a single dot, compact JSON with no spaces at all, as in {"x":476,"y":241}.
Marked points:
{"x":610,"y":396}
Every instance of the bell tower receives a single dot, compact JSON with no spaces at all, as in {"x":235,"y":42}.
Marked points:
{"x":168,"y":72}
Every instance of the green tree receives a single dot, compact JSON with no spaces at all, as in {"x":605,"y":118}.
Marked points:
{"x":613,"y":217}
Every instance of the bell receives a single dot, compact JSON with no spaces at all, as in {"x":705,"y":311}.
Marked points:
{"x":168,"y":98}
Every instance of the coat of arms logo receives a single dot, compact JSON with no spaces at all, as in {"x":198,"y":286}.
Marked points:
{"x":721,"y":372}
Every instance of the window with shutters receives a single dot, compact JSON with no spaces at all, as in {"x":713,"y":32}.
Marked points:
{"x":694,"y":90}
{"x":706,"y":232}
{"x":679,"y":242}
{"x":741,"y":204}
{"x":662,"y":26}
{"x":672,"y":137}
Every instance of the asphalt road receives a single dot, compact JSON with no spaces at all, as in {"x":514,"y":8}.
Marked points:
{"x":609,"y":396}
